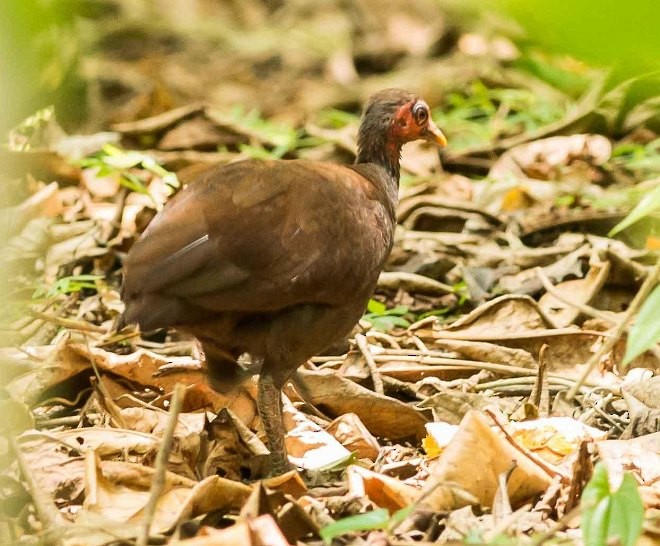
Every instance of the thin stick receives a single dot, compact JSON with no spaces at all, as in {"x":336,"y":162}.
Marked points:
{"x":161,"y":463}
{"x":638,"y":300}
{"x":526,"y":452}
{"x":371,"y":363}
{"x":582,"y":307}
{"x":49,"y":515}
{"x":70,"y":324}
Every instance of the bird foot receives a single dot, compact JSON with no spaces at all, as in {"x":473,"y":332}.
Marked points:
{"x":269,"y":404}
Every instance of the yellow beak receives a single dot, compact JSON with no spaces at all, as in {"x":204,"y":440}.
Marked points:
{"x":435,"y":135}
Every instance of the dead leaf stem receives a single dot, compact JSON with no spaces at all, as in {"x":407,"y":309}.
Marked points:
{"x":71,"y":324}
{"x":531,"y":456}
{"x":48,"y":514}
{"x":371,"y":363}
{"x":161,"y":463}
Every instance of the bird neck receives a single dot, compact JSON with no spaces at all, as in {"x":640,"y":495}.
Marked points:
{"x":380,"y":150}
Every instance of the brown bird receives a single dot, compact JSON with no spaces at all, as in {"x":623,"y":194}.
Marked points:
{"x":276,"y":259}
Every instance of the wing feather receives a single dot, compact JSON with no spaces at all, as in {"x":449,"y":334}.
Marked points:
{"x":257,"y":236}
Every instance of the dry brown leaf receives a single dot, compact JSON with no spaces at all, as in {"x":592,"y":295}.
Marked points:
{"x":289,"y":483}
{"x":54,"y":364}
{"x":307,"y":444}
{"x":575,"y":290}
{"x":450,"y":406}
{"x":643,"y":400}
{"x":261,"y":531}
{"x":354,"y":436}
{"x":123,"y":499}
{"x":500,"y":316}
{"x":384,"y":491}
{"x":141,"y":368}
{"x":641,"y":456}
{"x":473,"y":462}
{"x":100,"y":186}
{"x":542,"y":158}
{"x":214,"y":493}
{"x":383,"y":416}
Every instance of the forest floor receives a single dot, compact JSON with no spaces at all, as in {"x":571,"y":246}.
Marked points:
{"x":485,"y":381}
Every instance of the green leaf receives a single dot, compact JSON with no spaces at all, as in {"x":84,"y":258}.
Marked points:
{"x":68,"y":285}
{"x":376,"y":307}
{"x":385,"y":323}
{"x":646,"y":330}
{"x":376,"y":519}
{"x":649,"y":204}
{"x":607,"y":515}
{"x":399,"y":516}
{"x":627,"y":511}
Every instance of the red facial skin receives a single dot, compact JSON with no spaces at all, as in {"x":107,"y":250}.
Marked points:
{"x":412,"y":122}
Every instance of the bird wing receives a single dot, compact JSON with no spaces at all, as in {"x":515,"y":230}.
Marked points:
{"x":258,"y":236}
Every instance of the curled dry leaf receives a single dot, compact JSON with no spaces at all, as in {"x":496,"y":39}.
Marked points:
{"x":56,"y":459}
{"x":233,"y":449}
{"x":383,"y":416}
{"x":307,"y":444}
{"x":498,"y":317}
{"x":641,"y":456}
{"x":471,"y":464}
{"x":141,"y":369}
{"x":122,"y":497}
{"x":261,"y":531}
{"x":643,"y":400}
{"x":543,"y":159}
{"x":354,"y":436}
{"x":100,"y":186}
{"x":450,"y":406}
{"x":53,"y":365}
{"x":517,"y":321}
{"x":575,"y":290}
{"x":383,"y":491}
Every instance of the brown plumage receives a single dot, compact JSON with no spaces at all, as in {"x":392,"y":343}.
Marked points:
{"x":276,"y":259}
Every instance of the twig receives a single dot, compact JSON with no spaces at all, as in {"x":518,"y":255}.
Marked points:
{"x":105,"y":399}
{"x":412,"y":282}
{"x":161,"y":463}
{"x":527,"y":453}
{"x":416,"y":357}
{"x":582,"y":307}
{"x":391,"y":341}
{"x":371,"y":363}
{"x":71,"y":324}
{"x":419,"y":344}
{"x":640,"y":297}
{"x":48,"y":514}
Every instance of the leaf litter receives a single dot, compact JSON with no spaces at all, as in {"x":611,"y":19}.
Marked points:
{"x":470,"y":402}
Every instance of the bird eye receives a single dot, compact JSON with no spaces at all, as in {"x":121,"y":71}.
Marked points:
{"x":421,"y":113}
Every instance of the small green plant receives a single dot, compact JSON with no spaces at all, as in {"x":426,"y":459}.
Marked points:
{"x":634,"y":157}
{"x":68,"y":285}
{"x":648,"y":205}
{"x":113,"y":160}
{"x":609,"y":516}
{"x":369,"y":521}
{"x":646,"y":331}
{"x":482,"y":114}
{"x":283,"y":138}
{"x":384,"y":319}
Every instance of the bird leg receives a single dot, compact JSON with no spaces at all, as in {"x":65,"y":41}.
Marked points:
{"x":269,"y":404}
